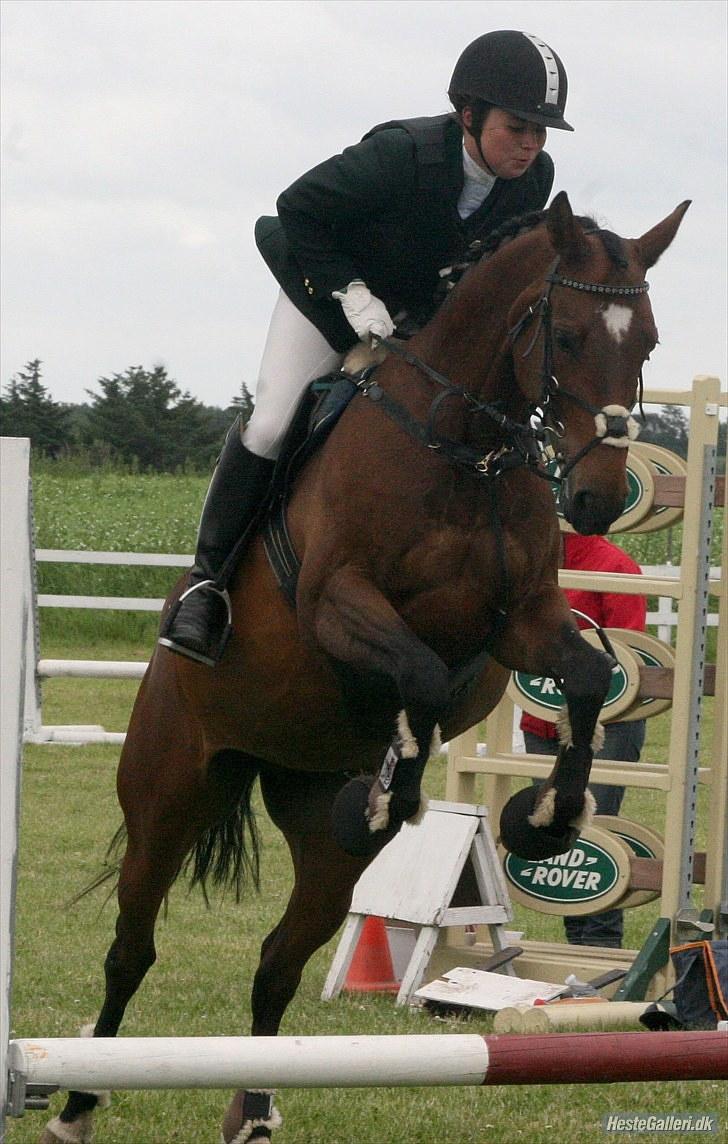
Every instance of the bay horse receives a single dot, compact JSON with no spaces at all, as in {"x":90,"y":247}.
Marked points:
{"x":428,"y":548}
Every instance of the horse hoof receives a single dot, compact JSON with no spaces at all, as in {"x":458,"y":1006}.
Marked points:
{"x":78,"y":1131}
{"x":350,"y":821}
{"x":527,"y":841}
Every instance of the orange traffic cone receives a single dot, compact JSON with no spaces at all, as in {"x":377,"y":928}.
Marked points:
{"x":371,"y":966}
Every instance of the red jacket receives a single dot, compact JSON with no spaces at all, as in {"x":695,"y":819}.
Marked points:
{"x":608,"y":609}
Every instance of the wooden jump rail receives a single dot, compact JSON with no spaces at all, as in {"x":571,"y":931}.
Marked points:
{"x":361,"y":1062}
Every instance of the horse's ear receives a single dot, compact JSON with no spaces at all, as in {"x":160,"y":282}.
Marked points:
{"x":656,"y":241}
{"x":567,"y":237}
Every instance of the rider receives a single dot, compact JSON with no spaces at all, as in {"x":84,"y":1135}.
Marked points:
{"x":360,"y":238}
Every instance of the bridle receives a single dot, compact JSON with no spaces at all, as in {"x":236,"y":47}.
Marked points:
{"x":614,"y":424}
{"x":523,"y":444}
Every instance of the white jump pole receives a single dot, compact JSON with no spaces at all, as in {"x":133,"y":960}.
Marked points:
{"x":14,"y":607}
{"x":367,"y":1061}
{"x":90,"y":669}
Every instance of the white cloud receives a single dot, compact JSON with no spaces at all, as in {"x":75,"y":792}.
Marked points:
{"x":142,"y":138}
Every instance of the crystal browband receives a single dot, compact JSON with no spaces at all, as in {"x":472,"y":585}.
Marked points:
{"x":596,"y":288}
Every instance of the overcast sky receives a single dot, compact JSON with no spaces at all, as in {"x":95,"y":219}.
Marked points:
{"x":142,"y":138}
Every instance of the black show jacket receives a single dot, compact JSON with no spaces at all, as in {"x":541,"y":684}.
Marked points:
{"x":385,"y":211}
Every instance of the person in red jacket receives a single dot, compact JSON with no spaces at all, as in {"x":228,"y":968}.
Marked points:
{"x":623,"y":741}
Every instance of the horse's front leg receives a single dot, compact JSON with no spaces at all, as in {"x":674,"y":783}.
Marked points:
{"x":354,"y":623}
{"x":540,"y":822}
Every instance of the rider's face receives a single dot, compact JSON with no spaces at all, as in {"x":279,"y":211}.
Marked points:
{"x":509,"y":144}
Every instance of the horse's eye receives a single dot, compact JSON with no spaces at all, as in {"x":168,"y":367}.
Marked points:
{"x":566,"y":340}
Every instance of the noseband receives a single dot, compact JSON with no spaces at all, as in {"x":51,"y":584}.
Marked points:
{"x":614,"y":424}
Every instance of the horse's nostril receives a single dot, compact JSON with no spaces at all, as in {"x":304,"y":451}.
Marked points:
{"x":590,"y":514}
{"x":584,"y":501}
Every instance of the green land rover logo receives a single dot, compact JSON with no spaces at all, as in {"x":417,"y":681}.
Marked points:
{"x":639,"y":849}
{"x":542,"y":690}
{"x":585,"y":873}
{"x":635,"y":490}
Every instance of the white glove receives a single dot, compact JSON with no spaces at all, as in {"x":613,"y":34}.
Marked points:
{"x":367,"y":315}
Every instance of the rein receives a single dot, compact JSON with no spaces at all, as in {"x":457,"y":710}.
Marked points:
{"x":522,"y":441}
{"x":523,"y":444}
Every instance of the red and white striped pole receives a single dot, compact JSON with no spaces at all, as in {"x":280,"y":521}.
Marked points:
{"x":368,"y":1061}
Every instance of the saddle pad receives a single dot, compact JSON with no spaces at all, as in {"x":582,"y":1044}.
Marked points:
{"x":320,"y":408}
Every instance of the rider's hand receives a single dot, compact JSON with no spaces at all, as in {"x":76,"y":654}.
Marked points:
{"x":367,"y":315}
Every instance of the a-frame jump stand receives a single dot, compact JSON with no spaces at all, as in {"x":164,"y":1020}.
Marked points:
{"x":414,"y":879}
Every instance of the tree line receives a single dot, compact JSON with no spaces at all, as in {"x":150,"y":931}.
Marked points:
{"x":142,"y":418}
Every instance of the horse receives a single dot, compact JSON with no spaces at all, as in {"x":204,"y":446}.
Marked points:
{"x":427,"y":541}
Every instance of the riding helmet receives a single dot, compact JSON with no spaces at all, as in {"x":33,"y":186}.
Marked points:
{"x":516,"y":72}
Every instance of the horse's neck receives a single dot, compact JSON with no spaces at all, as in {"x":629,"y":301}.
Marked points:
{"x":467,"y":340}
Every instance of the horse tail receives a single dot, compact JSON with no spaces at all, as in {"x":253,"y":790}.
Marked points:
{"x":109,"y":870}
{"x":228,"y":853}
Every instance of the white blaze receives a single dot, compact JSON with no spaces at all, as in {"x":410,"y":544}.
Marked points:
{"x":617,"y":319}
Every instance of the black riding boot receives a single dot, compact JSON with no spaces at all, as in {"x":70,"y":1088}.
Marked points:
{"x":198,"y":626}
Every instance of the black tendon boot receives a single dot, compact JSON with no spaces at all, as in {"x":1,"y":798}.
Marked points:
{"x":198,"y":626}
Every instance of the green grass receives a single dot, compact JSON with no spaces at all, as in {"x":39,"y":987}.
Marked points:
{"x":206,"y":960}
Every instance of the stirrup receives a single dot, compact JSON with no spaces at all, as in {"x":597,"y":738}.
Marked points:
{"x":216,"y":654}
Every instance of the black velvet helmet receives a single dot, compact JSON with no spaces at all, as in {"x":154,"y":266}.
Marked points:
{"x":516,"y":72}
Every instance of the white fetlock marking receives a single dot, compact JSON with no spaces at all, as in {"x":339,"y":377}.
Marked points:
{"x":380,"y":819}
{"x":409,"y":748}
{"x":587,"y":814}
{"x":598,"y":738}
{"x":78,"y":1131}
{"x":543,"y":815}
{"x":436,"y":742}
{"x":563,"y":727}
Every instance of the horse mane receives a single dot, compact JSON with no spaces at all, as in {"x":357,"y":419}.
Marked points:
{"x":523,"y":224}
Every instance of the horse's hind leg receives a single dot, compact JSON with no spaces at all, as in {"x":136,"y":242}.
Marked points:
{"x":300,"y":805}
{"x":145,"y":876}
{"x":166,"y":813}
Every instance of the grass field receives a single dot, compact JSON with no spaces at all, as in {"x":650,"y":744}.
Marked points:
{"x":206,"y":958}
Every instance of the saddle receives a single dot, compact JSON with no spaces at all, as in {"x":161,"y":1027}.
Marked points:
{"x":318,"y":412}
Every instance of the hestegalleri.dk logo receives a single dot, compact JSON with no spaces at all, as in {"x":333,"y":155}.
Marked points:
{"x":660,"y":1122}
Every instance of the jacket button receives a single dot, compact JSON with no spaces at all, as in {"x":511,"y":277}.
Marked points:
{"x":307,"y":282}
{"x":310,"y":289}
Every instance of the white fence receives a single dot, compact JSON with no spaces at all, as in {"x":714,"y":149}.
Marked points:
{"x":664,"y":617}
{"x":36,"y":732}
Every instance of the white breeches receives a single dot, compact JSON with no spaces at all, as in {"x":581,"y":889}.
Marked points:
{"x":295,"y":354}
